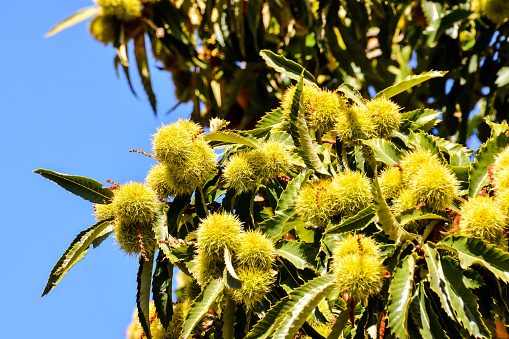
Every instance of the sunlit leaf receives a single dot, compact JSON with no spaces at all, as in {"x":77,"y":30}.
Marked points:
{"x":86,"y":188}
{"x":384,"y":151}
{"x":476,"y":251}
{"x":288,"y":67}
{"x":400,"y":292}
{"x":408,"y":83}
{"x":300,"y":254}
{"x":300,"y":133}
{"x":478,"y":173}
{"x":358,"y":221}
{"x":286,"y":317}
{"x":457,"y":300}
{"x":81,"y":15}
{"x":351,"y":93}
{"x":74,"y":253}
{"x":201,"y":305}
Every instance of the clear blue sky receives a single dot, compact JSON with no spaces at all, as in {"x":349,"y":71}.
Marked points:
{"x":64,"y":109}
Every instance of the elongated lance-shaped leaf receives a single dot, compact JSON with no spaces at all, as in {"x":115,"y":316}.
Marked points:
{"x":143,"y":293}
{"x":351,"y":93}
{"x":306,"y":302}
{"x":288,"y":67}
{"x":162,"y":289}
{"x":271,"y":119}
{"x":81,"y":15}
{"x":457,"y":300}
{"x":292,"y":305}
{"x":300,"y":254}
{"x":400,"y":292}
{"x":420,"y":214}
{"x":476,"y":251}
{"x":384,"y":151}
{"x":140,"y":52}
{"x":478,"y":173}
{"x":284,"y":210}
{"x":201,"y":305}
{"x":87,"y":188}
{"x":174,"y":214}
{"x":300,"y":133}
{"x":229,"y":276}
{"x":230,"y":137}
{"x":358,"y":221}
{"x":340,"y":324}
{"x":385,"y":217}
{"x":103,"y":236}
{"x":161,"y":230}
{"x":74,"y":253}
{"x":229,"y":318}
{"x":422,"y":119}
{"x":408,"y":83}
{"x":424,"y":317}
{"x":117,"y":62}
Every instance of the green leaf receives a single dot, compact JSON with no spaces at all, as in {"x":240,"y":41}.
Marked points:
{"x":308,"y":297}
{"x":300,"y":254}
{"x":476,"y":251}
{"x":201,"y":305}
{"x":288,"y":67}
{"x":74,"y":253}
{"x":81,"y":15}
{"x":424,"y":316}
{"x":422,"y":119}
{"x":457,"y":300}
{"x":425,"y":141}
{"x":351,"y":93}
{"x":289,"y":313}
{"x":385,"y":217}
{"x":229,"y":276}
{"x":231,"y":137}
{"x":103,"y":236}
{"x":143,"y":293}
{"x":271,"y":119}
{"x":384,"y":151}
{"x":408,"y":83}
{"x":86,"y":188}
{"x":300,"y":133}
{"x":126,"y":73}
{"x":357,"y":222}
{"x":229,"y":318}
{"x":285,"y":209}
{"x":420,"y":214}
{"x":400,"y":292}
{"x":140,"y":52}
{"x":503,"y":77}
{"x":162,"y":289}
{"x":340,"y":324}
{"x":478,"y":173}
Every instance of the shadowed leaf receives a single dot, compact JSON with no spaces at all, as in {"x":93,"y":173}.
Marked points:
{"x":143,"y":293}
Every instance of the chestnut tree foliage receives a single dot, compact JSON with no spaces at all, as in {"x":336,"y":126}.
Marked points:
{"x":212,"y":50}
{"x":334,"y":217}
